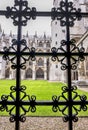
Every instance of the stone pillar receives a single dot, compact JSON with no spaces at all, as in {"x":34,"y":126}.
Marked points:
{"x":12,"y":74}
{"x":52,"y":72}
{"x":0,"y":67}
{"x":45,"y":75}
{"x":45,"y":67}
{"x":34,"y":44}
{"x":3,"y":63}
{"x":34,"y":71}
{"x":22,"y":74}
{"x":63,"y":77}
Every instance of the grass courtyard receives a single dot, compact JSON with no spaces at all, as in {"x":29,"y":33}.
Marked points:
{"x":43,"y":90}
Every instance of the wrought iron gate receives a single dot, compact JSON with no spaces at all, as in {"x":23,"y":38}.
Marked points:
{"x":20,"y":13}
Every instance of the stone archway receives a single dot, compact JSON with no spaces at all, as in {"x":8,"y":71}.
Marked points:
{"x":28,"y":73}
{"x":40,"y":62}
{"x":39,"y":74}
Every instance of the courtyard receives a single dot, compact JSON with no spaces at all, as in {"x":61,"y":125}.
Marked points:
{"x":43,"y":90}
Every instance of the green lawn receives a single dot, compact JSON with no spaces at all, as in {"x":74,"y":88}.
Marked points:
{"x":43,"y":90}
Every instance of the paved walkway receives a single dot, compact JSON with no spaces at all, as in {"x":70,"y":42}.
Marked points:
{"x":44,"y":123}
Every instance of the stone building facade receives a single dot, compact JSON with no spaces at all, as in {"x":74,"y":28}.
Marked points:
{"x":38,"y":69}
{"x":44,"y":67}
{"x":80,"y":33}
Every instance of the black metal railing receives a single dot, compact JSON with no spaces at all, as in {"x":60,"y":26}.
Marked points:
{"x":20,"y":13}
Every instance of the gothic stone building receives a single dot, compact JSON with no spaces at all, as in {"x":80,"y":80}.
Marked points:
{"x":38,"y":69}
{"x":44,"y":67}
{"x":79,"y":33}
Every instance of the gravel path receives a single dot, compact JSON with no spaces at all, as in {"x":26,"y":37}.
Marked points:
{"x":44,"y":123}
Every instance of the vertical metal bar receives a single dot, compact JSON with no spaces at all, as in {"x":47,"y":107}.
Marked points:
{"x":18,"y":78}
{"x":69,"y":68}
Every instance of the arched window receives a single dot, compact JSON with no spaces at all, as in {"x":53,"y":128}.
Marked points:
{"x":7,"y":73}
{"x":40,"y":62}
{"x":28,"y":73}
{"x":48,"y":44}
{"x":40,"y":74}
{"x":40,"y":44}
{"x":75,"y":75}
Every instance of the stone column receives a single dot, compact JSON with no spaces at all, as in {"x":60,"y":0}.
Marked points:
{"x":63,"y":78}
{"x":45,"y":67}
{"x":45,"y":74}
{"x":22,"y":74}
{"x":3,"y":63}
{"x":11,"y":74}
{"x":52,"y":72}
{"x":34,"y":71}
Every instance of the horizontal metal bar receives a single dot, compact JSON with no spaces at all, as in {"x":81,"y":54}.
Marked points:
{"x":3,"y":12}
{"x":39,"y":103}
{"x":45,"y":103}
{"x":7,"y":102}
{"x":51,"y":103}
{"x":84,"y":14}
{"x":44,"y":13}
{"x":43,"y":54}
{"x":58,"y":13}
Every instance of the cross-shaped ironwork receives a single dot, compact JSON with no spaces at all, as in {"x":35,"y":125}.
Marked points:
{"x":67,"y":15}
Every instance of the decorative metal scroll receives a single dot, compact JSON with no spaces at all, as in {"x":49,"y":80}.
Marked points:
{"x":13,"y":49}
{"x":63,"y":109}
{"x":74,"y":58}
{"x":64,"y":6}
{"x":26,"y":13}
{"x":70,"y":103}
{"x":31,"y":100}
